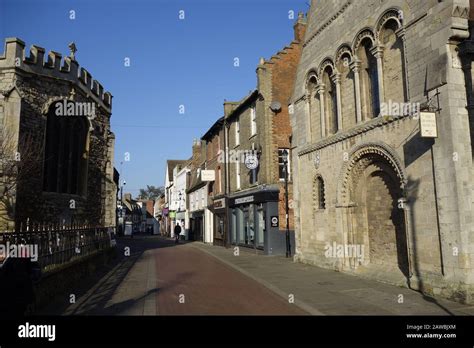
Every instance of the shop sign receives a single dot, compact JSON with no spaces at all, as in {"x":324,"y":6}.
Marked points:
{"x":208,"y":175}
{"x":172,"y":215}
{"x":243,"y":200}
{"x":251,"y":161}
{"x":219,"y":203}
{"x":428,"y":125}
{"x":275,"y":221}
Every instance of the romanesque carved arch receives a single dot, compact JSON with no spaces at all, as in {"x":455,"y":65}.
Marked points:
{"x":360,"y":153}
{"x":319,"y":193}
{"x":344,"y":50}
{"x":312,"y":80}
{"x":327,"y":62}
{"x":366,"y":33}
{"x":391,"y":14}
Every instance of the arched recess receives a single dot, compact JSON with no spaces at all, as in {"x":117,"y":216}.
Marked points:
{"x":66,"y":152}
{"x":371,"y":183}
{"x":389,"y":33}
{"x":369,"y":84}
{"x":319,"y":193}
{"x":327,"y":72}
{"x":344,"y":58}
{"x":314,"y":108}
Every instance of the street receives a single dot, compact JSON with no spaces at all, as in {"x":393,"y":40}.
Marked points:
{"x":161,"y":278}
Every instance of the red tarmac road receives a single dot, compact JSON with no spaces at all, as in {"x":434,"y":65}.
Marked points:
{"x":161,"y":278}
{"x":211,"y":287}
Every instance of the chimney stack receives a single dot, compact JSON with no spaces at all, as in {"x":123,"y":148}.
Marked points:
{"x":300,"y":27}
{"x":196,"y":152}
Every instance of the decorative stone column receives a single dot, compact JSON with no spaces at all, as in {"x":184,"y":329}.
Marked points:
{"x":401,"y":34}
{"x":321,"y":91}
{"x":377,"y":51}
{"x":336,"y":78}
{"x":355,"y":66}
{"x":309,"y":134}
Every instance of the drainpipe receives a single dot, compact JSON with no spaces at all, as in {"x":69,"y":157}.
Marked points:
{"x":226,"y":184}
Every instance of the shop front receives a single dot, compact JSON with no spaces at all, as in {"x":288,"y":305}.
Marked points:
{"x":181,"y":220}
{"x":254,"y":221}
{"x":196,"y":226}
{"x":219,"y":209}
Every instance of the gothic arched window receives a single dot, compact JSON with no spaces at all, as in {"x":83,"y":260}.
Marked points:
{"x":65,"y":155}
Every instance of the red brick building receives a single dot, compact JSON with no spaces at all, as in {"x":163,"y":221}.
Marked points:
{"x":258,"y":133}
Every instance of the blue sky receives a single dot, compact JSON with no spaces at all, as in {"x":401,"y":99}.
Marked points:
{"x":173,"y":62}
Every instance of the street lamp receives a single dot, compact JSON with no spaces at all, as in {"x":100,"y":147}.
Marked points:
{"x":121,"y":192}
{"x":287,"y":207}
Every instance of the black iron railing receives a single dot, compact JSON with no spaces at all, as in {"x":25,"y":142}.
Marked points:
{"x":57,"y":245}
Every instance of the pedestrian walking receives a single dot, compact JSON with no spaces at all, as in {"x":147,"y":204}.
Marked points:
{"x":177,"y":231}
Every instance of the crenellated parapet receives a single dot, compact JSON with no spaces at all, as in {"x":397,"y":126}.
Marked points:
{"x":53,"y":65}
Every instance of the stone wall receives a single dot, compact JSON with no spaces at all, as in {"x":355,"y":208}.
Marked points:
{"x":436,"y":175}
{"x":39,"y":83}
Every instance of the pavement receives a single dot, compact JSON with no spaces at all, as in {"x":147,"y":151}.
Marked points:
{"x":162,"y":278}
{"x":320,"y":291}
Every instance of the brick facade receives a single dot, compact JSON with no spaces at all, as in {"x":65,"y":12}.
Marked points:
{"x":275,"y":83}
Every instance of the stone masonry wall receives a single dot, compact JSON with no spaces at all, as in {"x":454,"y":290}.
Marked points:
{"x":439,"y":173}
{"x":39,"y":83}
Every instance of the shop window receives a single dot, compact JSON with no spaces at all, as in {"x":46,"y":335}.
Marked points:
{"x":261,"y":226}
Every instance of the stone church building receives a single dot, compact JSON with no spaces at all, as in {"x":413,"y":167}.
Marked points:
{"x":366,"y":181}
{"x":56,"y":143}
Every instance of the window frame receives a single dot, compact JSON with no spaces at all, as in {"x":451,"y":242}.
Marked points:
{"x":237,"y":175}
{"x":237,"y":132}
{"x":253,"y":121}
{"x":280,"y":164}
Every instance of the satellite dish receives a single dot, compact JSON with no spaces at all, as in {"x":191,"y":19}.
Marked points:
{"x":275,"y":106}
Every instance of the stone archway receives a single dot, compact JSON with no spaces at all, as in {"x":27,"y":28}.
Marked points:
{"x":372,"y":184}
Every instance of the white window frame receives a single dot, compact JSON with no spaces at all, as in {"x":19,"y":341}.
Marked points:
{"x":219,"y":175}
{"x":237,"y":132}
{"x":237,"y":174}
{"x":253,"y":120}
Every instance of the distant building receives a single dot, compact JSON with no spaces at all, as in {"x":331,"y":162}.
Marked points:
{"x":132,"y":213}
{"x":159,"y":223}
{"x":169,"y":209}
{"x":215,"y":230}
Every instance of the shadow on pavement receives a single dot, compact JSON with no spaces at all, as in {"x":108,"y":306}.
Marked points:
{"x":106,"y":280}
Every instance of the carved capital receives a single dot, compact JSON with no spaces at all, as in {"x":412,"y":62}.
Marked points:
{"x":321,"y":88}
{"x":336,"y":78}
{"x":377,"y":51}
{"x":355,"y":65}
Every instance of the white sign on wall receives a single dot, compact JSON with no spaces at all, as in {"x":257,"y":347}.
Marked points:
{"x":428,"y":126}
{"x":248,"y":199}
{"x":208,"y":175}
